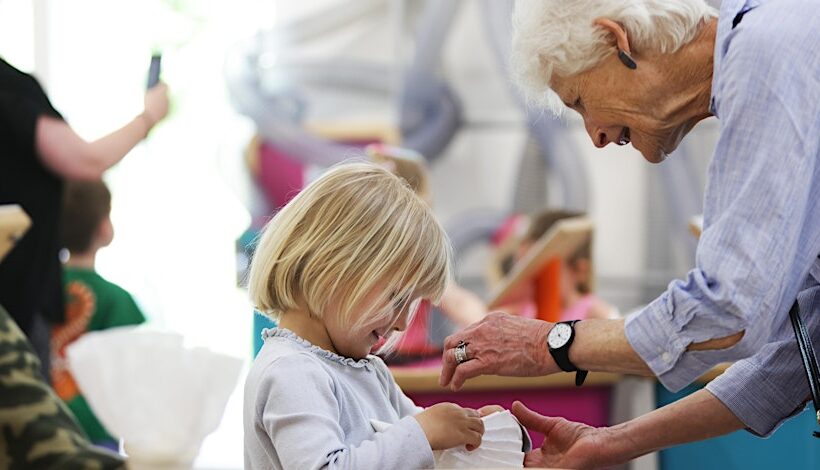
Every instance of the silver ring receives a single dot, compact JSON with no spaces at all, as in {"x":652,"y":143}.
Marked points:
{"x":461,"y":352}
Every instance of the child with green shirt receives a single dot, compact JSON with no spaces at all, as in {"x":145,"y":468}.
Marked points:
{"x":92,"y":303}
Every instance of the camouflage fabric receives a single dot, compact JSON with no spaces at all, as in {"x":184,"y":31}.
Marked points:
{"x":36,"y":429}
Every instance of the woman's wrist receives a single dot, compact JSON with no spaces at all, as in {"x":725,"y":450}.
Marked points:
{"x":601,"y":345}
{"x":147,"y":121}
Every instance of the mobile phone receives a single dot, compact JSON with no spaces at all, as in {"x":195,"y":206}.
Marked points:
{"x":153,"y":70}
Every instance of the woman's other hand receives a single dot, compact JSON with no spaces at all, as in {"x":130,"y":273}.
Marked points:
{"x":566,"y":444}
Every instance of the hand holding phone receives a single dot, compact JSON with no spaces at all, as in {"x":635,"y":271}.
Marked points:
{"x":153,"y":71}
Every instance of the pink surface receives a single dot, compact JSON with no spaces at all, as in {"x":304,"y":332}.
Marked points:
{"x":579,"y":311}
{"x":414,"y":339}
{"x":585,"y":404}
{"x":280,"y":176}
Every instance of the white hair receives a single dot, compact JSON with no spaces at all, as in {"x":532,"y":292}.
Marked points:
{"x":558,"y":37}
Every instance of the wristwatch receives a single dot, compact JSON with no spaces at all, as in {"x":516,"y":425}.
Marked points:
{"x":559,"y":339}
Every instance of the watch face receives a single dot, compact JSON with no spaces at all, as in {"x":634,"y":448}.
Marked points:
{"x":559,"y":335}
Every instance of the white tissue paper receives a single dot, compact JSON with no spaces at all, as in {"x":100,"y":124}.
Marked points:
{"x":502,"y":446}
{"x":160,"y":397}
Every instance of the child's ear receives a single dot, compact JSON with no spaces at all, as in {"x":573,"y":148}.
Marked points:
{"x":104,"y":234}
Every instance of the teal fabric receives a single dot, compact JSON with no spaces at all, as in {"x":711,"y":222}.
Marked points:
{"x":791,"y":446}
{"x":260,"y":322}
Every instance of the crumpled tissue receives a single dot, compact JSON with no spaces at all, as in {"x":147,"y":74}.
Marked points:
{"x":502,"y":446}
{"x":146,"y":387}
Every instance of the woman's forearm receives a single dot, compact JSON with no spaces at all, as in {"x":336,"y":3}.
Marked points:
{"x":70,"y":156}
{"x":601,"y":345}
{"x":111,"y":148}
{"x":698,"y":416}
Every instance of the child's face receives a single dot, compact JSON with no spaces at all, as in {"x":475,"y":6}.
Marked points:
{"x":357,"y":341}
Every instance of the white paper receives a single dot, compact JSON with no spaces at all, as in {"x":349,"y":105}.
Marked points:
{"x":502,"y":446}
{"x":145,"y":387}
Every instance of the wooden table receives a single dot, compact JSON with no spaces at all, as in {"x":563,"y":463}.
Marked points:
{"x":425,"y":379}
{"x":552,"y":395}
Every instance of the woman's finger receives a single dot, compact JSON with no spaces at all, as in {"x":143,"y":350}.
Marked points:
{"x":464,"y":371}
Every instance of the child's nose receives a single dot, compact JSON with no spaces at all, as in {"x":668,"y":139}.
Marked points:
{"x":401,"y":322}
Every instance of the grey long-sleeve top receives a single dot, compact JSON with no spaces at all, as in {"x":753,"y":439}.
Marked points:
{"x":308,"y":408}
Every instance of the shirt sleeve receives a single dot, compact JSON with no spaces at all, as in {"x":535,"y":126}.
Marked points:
{"x":301,"y":417}
{"x":22,"y":102}
{"x":401,"y":402}
{"x":124,"y":311}
{"x":771,"y":386}
{"x":761,"y":214}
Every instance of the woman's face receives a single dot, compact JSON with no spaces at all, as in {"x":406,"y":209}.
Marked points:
{"x":623,"y":106}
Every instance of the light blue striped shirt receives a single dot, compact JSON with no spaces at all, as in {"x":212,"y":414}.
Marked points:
{"x":761,"y":239}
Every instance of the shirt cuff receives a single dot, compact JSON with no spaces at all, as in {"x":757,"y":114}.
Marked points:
{"x":413,"y":437}
{"x":650,"y":333}
{"x":653,"y":335}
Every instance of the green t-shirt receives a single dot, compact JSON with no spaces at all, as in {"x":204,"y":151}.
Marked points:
{"x":92,"y":304}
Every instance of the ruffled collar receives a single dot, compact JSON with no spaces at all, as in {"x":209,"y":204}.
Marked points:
{"x":323,"y":353}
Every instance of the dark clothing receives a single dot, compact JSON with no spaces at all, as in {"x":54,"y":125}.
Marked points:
{"x":30,"y":276}
{"x":38,"y":432}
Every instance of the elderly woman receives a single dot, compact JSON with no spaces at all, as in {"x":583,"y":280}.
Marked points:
{"x":645,"y":72}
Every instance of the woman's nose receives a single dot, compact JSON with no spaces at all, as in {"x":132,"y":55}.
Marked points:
{"x":601,"y":136}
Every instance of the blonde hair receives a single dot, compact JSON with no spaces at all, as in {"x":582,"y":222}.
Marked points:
{"x":558,"y":37}
{"x":406,"y":164}
{"x":355,"y":230}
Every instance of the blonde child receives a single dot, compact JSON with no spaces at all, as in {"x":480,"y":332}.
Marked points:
{"x":346,"y":263}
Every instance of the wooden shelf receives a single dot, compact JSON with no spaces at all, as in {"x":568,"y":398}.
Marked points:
{"x":425,"y":379}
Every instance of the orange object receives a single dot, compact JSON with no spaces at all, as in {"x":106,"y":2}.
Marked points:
{"x":548,"y":291}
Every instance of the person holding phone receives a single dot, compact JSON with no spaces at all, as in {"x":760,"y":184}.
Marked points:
{"x":40,"y":151}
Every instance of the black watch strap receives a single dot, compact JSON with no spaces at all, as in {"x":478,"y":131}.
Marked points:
{"x":561,"y":357}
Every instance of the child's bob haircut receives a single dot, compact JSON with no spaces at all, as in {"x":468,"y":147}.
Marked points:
{"x":356,"y":232}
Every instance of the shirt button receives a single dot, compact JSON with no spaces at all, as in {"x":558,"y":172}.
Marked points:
{"x":666,"y":357}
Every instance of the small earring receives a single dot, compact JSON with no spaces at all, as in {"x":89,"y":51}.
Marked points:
{"x":626,"y":59}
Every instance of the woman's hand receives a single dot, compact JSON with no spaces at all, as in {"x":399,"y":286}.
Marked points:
{"x":566,"y":444}
{"x":156,"y":104}
{"x":499,"y":344}
{"x":448,"y":425}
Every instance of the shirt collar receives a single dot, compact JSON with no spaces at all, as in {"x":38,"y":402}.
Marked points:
{"x":729,"y":9}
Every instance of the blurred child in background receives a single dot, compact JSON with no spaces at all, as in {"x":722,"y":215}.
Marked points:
{"x":92,"y":303}
{"x":576,"y":271}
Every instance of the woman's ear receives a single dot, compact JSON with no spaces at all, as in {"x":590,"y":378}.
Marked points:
{"x":617,"y":31}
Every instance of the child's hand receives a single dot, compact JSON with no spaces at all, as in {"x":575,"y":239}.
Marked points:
{"x":489,"y":409}
{"x":448,"y":425}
